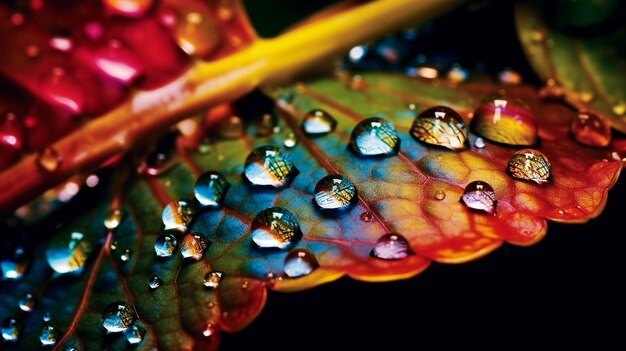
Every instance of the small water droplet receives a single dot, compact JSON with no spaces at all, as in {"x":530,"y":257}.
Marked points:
{"x":290,"y":140}
{"x":357,"y":53}
{"x":118,"y":316}
{"x":157,"y":162}
{"x":12,"y":269}
{"x":27,"y":302}
{"x":48,"y":160}
{"x":113,"y":245}
{"x":318,"y":122}
{"x":154,"y":282}
{"x":334,"y":192}
{"x":126,"y":255}
{"x":269,"y":166}
{"x":479,"y":143}
{"x":592,"y":129}
{"x":245,"y":284}
{"x":440,"y":195}
{"x":212,"y":279}
{"x":374,"y":136}
{"x":530,"y":164}
{"x":134,"y":335}
{"x":10,"y":330}
{"x":275,"y":227}
{"x":113,"y":219}
{"x":128,"y":8}
{"x":68,"y":253}
{"x":193,"y":246}
{"x":210,"y":189}
{"x":197,"y":34}
{"x":231,"y":128}
{"x":510,"y":77}
{"x":367,"y":216}
{"x":561,"y":212}
{"x":441,"y":126}
{"x":457,"y":74}
{"x":300,"y":262}
{"x":165,"y":245}
{"x":267,"y":125}
{"x":479,"y":195}
{"x":46,"y":317}
{"x":209,"y":330}
{"x":48,"y":335}
{"x":178,"y":214}
{"x":392,"y":247}
{"x":63,"y":44}
{"x":504,"y":120}
{"x":619,"y":108}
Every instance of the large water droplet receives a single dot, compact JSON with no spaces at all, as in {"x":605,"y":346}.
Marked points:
{"x":197,"y":34}
{"x":193,"y":246}
{"x":10,"y":330}
{"x":134,"y":335}
{"x":374,"y":136}
{"x":300,"y":262}
{"x":113,"y":219}
{"x":154,"y":282}
{"x":165,"y":245}
{"x":269,"y":166}
{"x":530,"y":164}
{"x":392,"y":247}
{"x":126,"y":255}
{"x":591,"y":129}
{"x":334,"y":192}
{"x":27,"y":302}
{"x":210,"y":189}
{"x":479,"y":195}
{"x":275,"y":227}
{"x":68,"y":253}
{"x":441,"y":126}
{"x":48,"y":160}
{"x":178,"y":214}
{"x":213,"y":279}
{"x":118,"y":316}
{"x":48,"y":336}
{"x":318,"y":122}
{"x":128,"y":8}
{"x":504,"y":120}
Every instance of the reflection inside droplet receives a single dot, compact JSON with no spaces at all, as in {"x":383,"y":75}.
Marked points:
{"x":392,"y":247}
{"x":300,"y":262}
{"x":275,"y":227}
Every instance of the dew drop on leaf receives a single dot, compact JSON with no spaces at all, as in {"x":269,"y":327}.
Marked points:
{"x":113,"y":219}
{"x":12,"y":269}
{"x":178,"y":214}
{"x":193,"y":246}
{"x":440,"y":195}
{"x":290,"y":140}
{"x":27,"y":302}
{"x":366,"y":216}
{"x":118,"y":316}
{"x":212,"y":279}
{"x":504,"y":120}
{"x":197,"y":34}
{"x":154,"y":282}
{"x":479,"y":143}
{"x":48,"y":160}
{"x":10,"y":330}
{"x":126,"y":255}
{"x":479,"y":195}
{"x":392,"y":247}
{"x":300,"y":262}
{"x":529,"y":164}
{"x":209,"y":330}
{"x":48,"y":335}
{"x":165,"y":245}
{"x":318,"y":122}
{"x":275,"y":227}
{"x":210,"y":189}
{"x":591,"y":129}
{"x":134,"y":335}
{"x":46,"y":317}
{"x":269,"y":166}
{"x":113,"y":245}
{"x":334,"y":192}
{"x":441,"y":126}
{"x":374,"y":136}
{"x":68,"y":253}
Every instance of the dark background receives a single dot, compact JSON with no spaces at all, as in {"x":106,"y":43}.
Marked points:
{"x":566,"y":291}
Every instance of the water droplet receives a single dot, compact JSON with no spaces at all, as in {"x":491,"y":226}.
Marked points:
{"x":551,"y":91}
{"x":193,"y":246}
{"x":197,"y":34}
{"x":300,"y":262}
{"x":275,"y":227}
{"x":212,"y":279}
{"x":157,"y":162}
{"x":63,"y":44}
{"x":269,"y":166}
{"x":506,"y":121}
{"x":165,"y":245}
{"x":113,"y":245}
{"x":290,"y":140}
{"x":27,"y":302}
{"x":48,"y":335}
{"x":154,"y":282}
{"x":530,"y":164}
{"x":318,"y":122}
{"x":457,"y":74}
{"x":245,"y":284}
{"x":267,"y":125}
{"x":480,"y":196}
{"x":134,"y":335}
{"x":334,"y":192}
{"x":68,"y":253}
{"x":619,"y":108}
{"x":440,"y":195}
{"x":128,"y":8}
{"x":210,"y":189}
{"x":479,"y":143}
{"x":48,"y":160}
{"x":392,"y":247}
{"x":231,"y":128}
{"x":126,"y":255}
{"x":441,"y":126}
{"x":357,"y":53}
{"x":46,"y":317}
{"x":374,"y":136}
{"x":113,"y":219}
{"x":591,"y":129}
{"x":178,"y":214}
{"x":10,"y":330}
{"x":12,"y":269}
{"x":510,"y":77}
{"x":118,"y":316}
{"x":367,"y":216}
{"x":209,"y":330}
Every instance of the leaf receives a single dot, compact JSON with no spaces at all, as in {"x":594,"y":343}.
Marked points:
{"x":578,"y":48}
{"x":399,"y":193}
